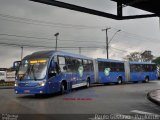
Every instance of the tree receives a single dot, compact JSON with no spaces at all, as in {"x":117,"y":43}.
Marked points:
{"x":157,"y":60}
{"x":134,"y":56}
{"x":145,"y":56}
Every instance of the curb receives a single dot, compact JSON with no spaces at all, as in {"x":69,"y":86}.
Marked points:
{"x":6,"y":87}
{"x":149,"y":96}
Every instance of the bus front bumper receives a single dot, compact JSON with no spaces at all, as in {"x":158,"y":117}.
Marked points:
{"x":30,"y":90}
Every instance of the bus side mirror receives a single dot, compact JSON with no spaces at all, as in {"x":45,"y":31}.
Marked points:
{"x":65,"y":68}
{"x":16,"y":65}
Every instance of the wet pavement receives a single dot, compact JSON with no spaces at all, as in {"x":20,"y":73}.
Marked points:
{"x":154,"y":96}
{"x":130,"y":99}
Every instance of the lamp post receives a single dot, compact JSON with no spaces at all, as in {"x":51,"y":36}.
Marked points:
{"x":56,"y":35}
{"x":107,"y":42}
{"x":21,"y":52}
{"x":114,"y":35}
{"x":80,"y":50}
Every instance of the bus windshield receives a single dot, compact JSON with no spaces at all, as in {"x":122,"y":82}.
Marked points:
{"x":32,"y":69}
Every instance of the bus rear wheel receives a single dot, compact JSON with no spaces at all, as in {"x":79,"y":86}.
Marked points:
{"x":119,"y":81}
{"x":146,"y":80}
{"x":88,"y":83}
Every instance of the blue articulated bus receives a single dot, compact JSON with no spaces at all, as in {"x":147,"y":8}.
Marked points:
{"x":114,"y":71}
{"x":109,"y":71}
{"x":142,"y":71}
{"x":48,"y":72}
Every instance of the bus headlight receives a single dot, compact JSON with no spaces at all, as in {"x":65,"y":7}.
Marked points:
{"x":16,"y":84}
{"x":42,"y":84}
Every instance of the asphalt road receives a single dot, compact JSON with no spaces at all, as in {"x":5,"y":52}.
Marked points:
{"x":103,"y":99}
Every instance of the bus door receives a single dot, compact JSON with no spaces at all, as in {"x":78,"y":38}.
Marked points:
{"x":85,"y":70}
{"x":53,"y":75}
{"x":71,"y":71}
{"x":135,"y":73}
{"x":104,"y":71}
{"x":108,"y":71}
{"x":80,"y":73}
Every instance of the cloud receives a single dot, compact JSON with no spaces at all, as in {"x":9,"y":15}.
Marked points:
{"x":142,"y":28}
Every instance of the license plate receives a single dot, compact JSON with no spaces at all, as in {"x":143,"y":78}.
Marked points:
{"x":26,"y":91}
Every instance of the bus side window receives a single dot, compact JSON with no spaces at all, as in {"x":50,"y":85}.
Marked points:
{"x":62,"y":64}
{"x":85,"y":65}
{"x":121,"y":67}
{"x":90,"y":63}
{"x":133,"y":68}
{"x":69,"y":64}
{"x":100,"y":66}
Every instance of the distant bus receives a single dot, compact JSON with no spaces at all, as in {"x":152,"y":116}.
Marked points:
{"x":141,"y":71}
{"x":114,"y":71}
{"x":48,"y":72}
{"x":7,"y":76}
{"x":110,"y":71}
{"x":2,"y":76}
{"x":10,"y":76}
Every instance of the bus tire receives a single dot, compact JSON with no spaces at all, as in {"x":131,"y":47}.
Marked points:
{"x":119,"y":80}
{"x":135,"y":81}
{"x":63,"y":87}
{"x":146,"y":79}
{"x":88,"y":83}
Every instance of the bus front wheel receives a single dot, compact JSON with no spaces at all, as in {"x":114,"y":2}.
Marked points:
{"x":62,"y":88}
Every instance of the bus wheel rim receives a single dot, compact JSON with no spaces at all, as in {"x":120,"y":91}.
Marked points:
{"x":146,"y":79}
{"x":88,"y":84}
{"x":62,"y":88}
{"x":119,"y":81}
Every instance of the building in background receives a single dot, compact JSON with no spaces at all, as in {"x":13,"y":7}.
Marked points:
{"x":7,"y":75}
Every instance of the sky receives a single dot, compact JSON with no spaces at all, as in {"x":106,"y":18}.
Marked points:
{"x":24,"y":22}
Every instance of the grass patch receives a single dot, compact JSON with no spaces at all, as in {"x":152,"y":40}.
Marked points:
{"x":7,"y":83}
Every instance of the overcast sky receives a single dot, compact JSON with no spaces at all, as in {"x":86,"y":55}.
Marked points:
{"x":135,"y":35}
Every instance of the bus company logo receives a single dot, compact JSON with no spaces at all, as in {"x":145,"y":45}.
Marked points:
{"x":80,"y":70}
{"x":107,"y":71}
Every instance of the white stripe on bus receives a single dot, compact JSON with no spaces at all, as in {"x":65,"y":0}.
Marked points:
{"x":79,"y":85}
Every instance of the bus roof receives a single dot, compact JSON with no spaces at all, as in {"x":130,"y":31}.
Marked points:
{"x":109,"y":60}
{"x":48,"y":54}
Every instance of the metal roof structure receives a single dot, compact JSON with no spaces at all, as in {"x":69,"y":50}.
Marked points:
{"x":151,"y":6}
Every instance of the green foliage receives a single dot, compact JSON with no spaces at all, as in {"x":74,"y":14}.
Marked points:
{"x":145,"y":56}
{"x":6,"y":83}
{"x":157,"y":60}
